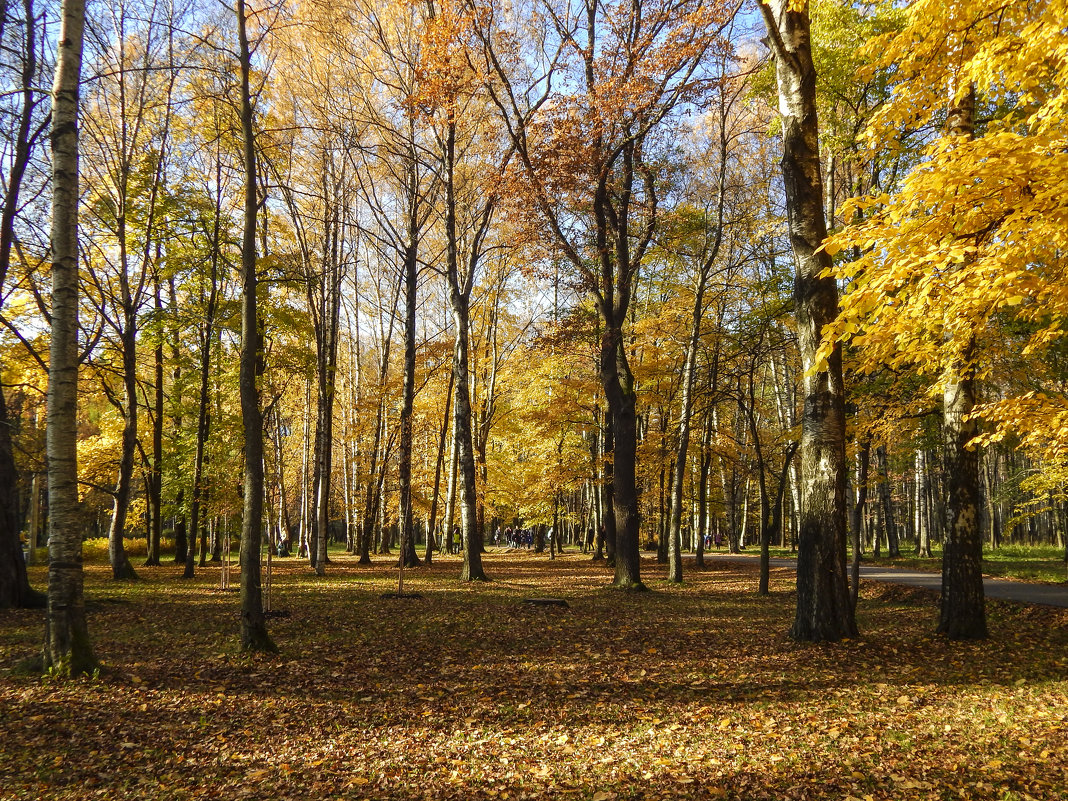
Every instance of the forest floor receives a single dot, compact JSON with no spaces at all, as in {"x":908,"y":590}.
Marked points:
{"x":691,"y":691}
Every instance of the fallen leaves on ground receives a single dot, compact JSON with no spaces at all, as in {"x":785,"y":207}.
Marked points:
{"x":690,"y":691}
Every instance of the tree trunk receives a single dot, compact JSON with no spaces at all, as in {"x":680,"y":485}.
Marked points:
{"x":923,"y":511}
{"x":327,"y":369}
{"x":370,"y":509}
{"x":203,"y":418}
{"x":775,"y":523}
{"x":183,"y":539}
{"x":857,"y":522}
{"x":464,"y":448}
{"x":156,"y":477}
{"x":824,"y":611}
{"x":121,"y":569}
{"x":431,"y":528}
{"x":15,"y":590}
{"x":887,"y":501}
{"x":67,"y":649}
{"x":254,"y":635}
{"x":702,"y":491}
{"x":463,"y":442}
{"x":963,"y":614}
{"x":408,"y":556}
{"x":618,"y":383}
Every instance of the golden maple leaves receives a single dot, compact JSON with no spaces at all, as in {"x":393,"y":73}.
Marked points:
{"x":973,"y":242}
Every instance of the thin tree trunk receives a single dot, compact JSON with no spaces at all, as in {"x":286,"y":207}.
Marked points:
{"x":121,"y":569}
{"x":697,"y":316}
{"x":331,"y":305}
{"x":857,"y":522}
{"x":408,"y":556}
{"x":203,"y":418}
{"x":775,"y":523}
{"x":438,"y":463}
{"x":702,"y":491}
{"x":254,"y":635}
{"x":923,"y":506}
{"x":156,"y":478}
{"x":886,"y":499}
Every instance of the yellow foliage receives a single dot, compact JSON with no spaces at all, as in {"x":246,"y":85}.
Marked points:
{"x":975,"y":237}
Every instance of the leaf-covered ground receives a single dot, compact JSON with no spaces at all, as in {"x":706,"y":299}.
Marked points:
{"x":690,"y":691}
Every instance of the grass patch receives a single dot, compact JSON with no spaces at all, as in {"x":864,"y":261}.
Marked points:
{"x":690,"y":691}
{"x":1021,"y":562}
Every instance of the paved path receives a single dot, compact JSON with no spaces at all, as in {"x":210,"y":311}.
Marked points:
{"x":1022,"y":591}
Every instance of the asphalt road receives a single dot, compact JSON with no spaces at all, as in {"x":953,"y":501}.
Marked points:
{"x":1004,"y":589}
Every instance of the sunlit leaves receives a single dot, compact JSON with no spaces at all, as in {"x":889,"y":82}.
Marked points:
{"x":974,"y":237}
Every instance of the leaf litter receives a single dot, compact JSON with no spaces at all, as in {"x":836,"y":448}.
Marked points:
{"x":685,"y":692}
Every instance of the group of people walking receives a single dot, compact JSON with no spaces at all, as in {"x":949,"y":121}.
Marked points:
{"x":516,"y":537}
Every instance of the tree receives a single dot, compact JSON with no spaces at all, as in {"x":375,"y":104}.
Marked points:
{"x":587,"y":116}
{"x":471,"y":159}
{"x":128,"y":134}
{"x":824,"y":611}
{"x":960,"y":262}
{"x":712,"y":219}
{"x":67,"y":649}
{"x":254,"y":635}
{"x":15,"y":590}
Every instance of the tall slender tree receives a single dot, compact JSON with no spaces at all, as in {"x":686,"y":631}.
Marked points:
{"x":67,"y":649}
{"x":254,"y":635}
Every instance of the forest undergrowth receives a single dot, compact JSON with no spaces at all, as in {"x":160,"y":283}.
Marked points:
{"x":691,"y":691}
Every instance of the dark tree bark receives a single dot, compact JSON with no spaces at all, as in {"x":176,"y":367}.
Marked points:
{"x":15,"y":590}
{"x":431,"y":528}
{"x":326,"y":335}
{"x":773,"y":527}
{"x":887,"y":502}
{"x":464,"y":448}
{"x":254,"y":635}
{"x":824,"y":611}
{"x":408,"y":556}
{"x":702,"y":491}
{"x":181,"y":536}
{"x":963,"y":613}
{"x":155,"y":489}
{"x":203,"y":418}
{"x":121,"y":569}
